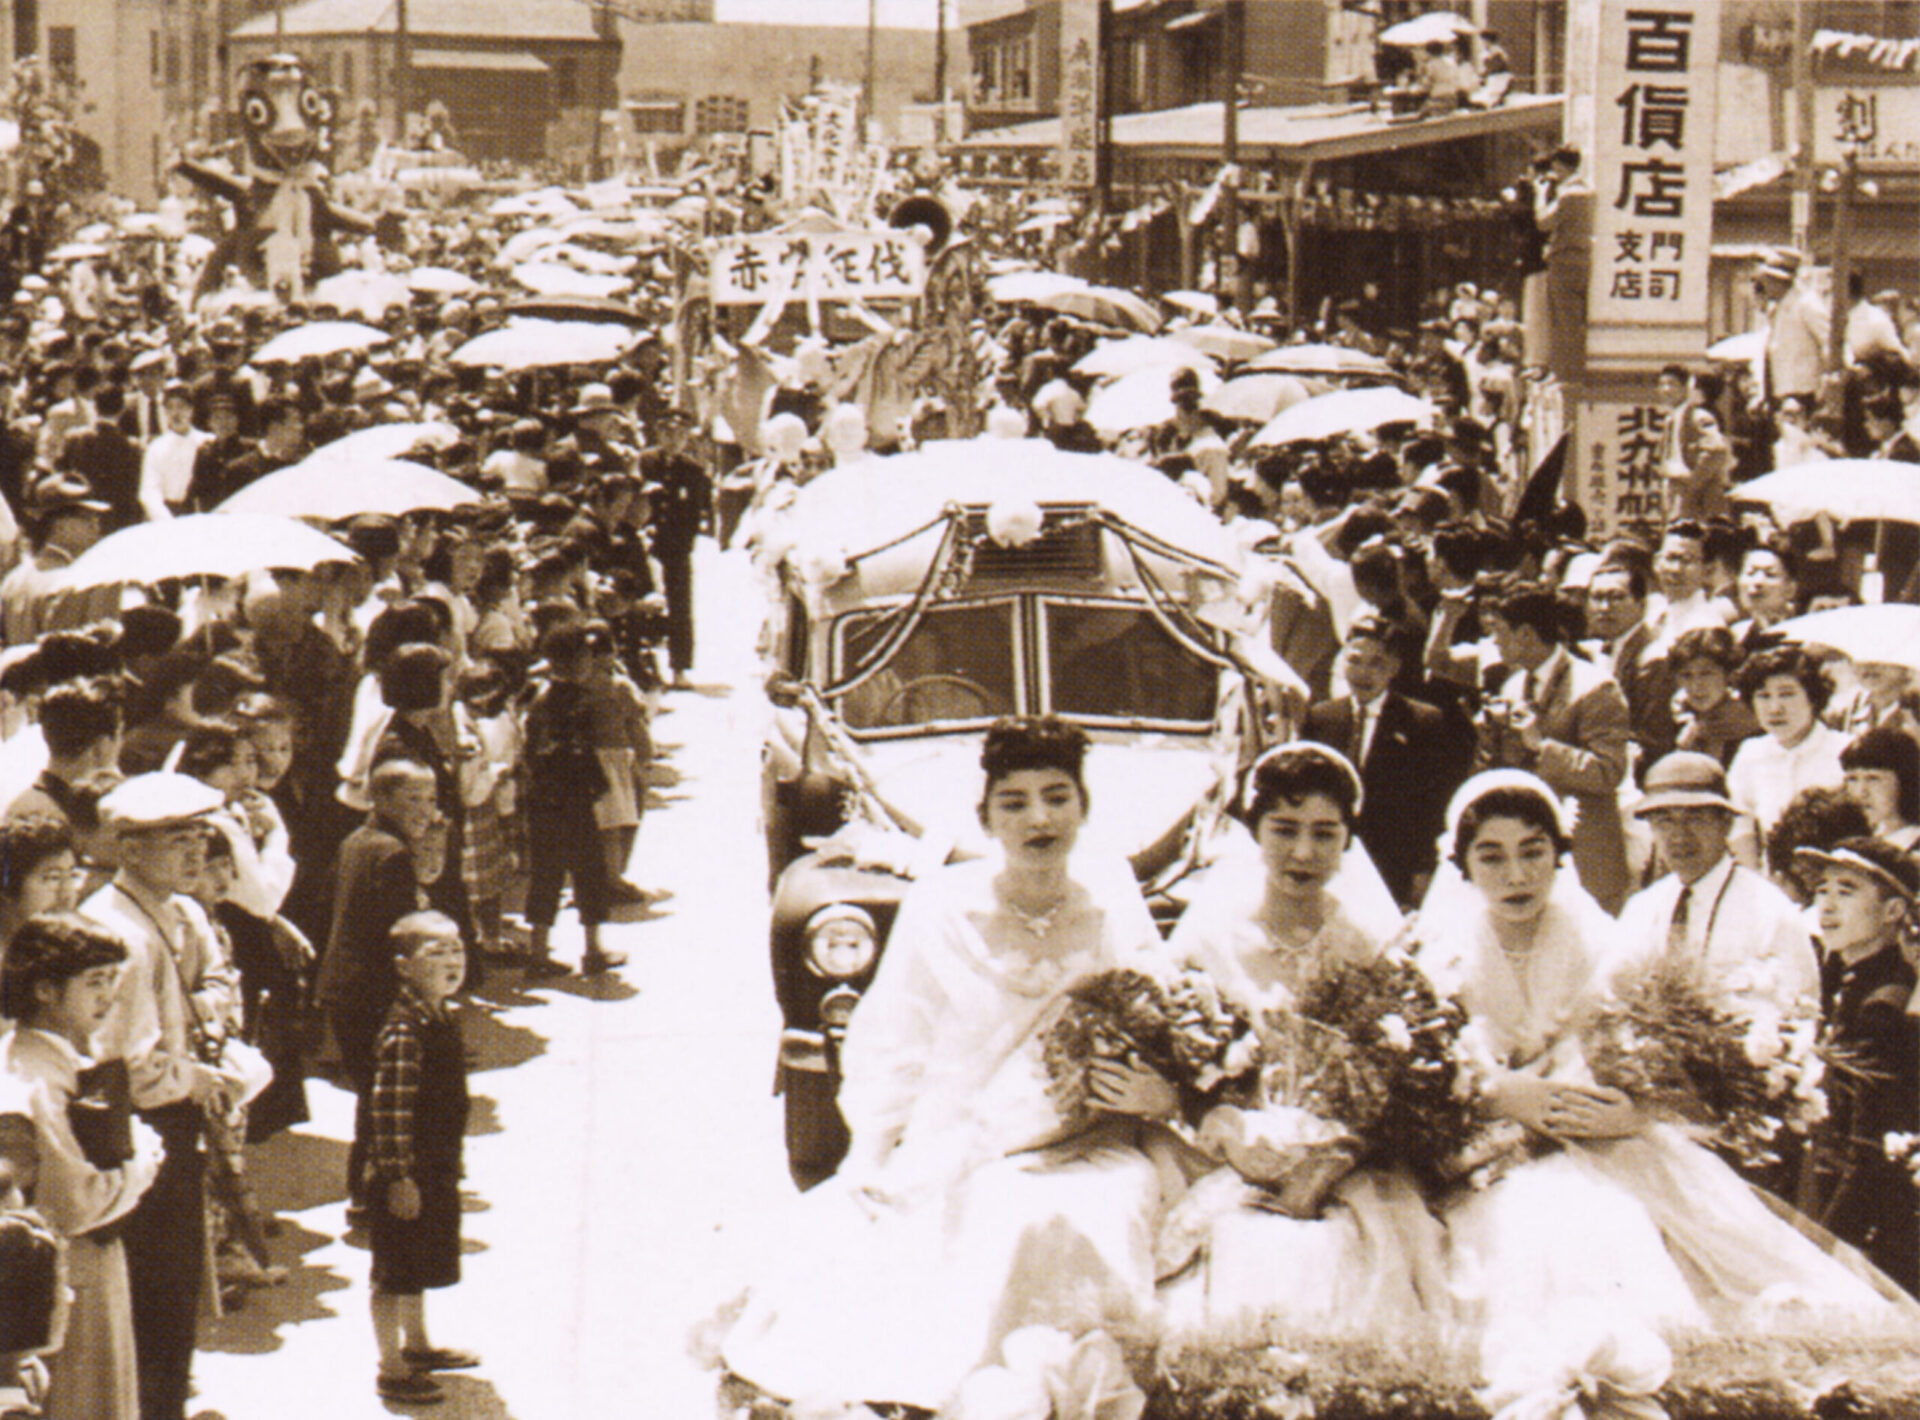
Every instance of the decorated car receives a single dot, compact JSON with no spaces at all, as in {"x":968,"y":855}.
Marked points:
{"x":921,"y":597}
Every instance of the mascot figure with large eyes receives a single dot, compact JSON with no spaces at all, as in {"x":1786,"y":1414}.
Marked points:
{"x":284,"y":222}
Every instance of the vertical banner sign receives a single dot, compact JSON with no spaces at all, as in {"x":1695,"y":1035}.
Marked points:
{"x":1620,"y":486}
{"x":1652,"y":180}
{"x":1079,"y":91}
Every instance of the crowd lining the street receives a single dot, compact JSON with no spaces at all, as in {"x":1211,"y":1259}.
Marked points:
{"x":245,"y":808}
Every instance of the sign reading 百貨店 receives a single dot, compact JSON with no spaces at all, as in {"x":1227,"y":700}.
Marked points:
{"x":1653,"y":119}
{"x":1079,"y":92}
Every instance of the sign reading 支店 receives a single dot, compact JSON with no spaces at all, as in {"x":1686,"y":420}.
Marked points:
{"x":1652,"y":181}
{"x":1079,"y":92}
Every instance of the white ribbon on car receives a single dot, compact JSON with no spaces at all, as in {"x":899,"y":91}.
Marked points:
{"x":1587,"y":1363}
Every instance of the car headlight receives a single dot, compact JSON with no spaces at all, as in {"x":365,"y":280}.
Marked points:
{"x":841,"y":941}
{"x":836,"y":1007}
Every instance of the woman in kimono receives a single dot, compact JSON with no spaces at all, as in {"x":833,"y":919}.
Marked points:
{"x":1373,"y":1262}
{"x":57,"y":983}
{"x":1603,"y":1209}
{"x":960,"y":1215}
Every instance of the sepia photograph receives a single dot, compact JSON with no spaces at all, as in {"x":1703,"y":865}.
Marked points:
{"x":960,"y":709}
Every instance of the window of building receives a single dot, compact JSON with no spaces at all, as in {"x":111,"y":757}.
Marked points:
{"x":173,"y":59}
{"x":720,"y":113}
{"x":566,"y":82}
{"x":323,"y":70}
{"x":63,"y":53}
{"x":201,"y":59}
{"x":657,"y":115}
{"x":153,"y":55}
{"x":346,"y":75}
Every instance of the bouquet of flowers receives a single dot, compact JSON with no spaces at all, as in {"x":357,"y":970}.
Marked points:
{"x":1361,"y":1069}
{"x":1199,"y":1043}
{"x":1682,"y":1054}
{"x":1904,"y":1149}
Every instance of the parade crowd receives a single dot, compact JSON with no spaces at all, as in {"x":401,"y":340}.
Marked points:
{"x":268,"y":824}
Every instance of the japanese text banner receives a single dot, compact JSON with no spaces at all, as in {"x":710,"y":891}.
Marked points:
{"x":1079,"y":92}
{"x":1653,"y":179}
{"x":843,"y":266}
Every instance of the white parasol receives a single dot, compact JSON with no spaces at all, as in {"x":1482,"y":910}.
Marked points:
{"x":1320,"y":360}
{"x":200,"y":545}
{"x":1140,"y":400}
{"x":389,"y":441}
{"x":1224,"y":342}
{"x":1344,"y":412}
{"x":1850,"y":490}
{"x":1434,"y":27}
{"x":550,"y":278}
{"x":371,"y":293}
{"x":1105,"y":305}
{"x":1889,"y":633}
{"x":321,"y":338}
{"x":1142,"y":352}
{"x":1255,"y":399}
{"x":441,"y":281}
{"x":529,"y":343}
{"x":329,"y":489}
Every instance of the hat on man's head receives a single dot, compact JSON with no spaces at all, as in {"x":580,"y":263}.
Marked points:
{"x":158,"y":800}
{"x":1782,"y":264}
{"x":63,"y":493}
{"x":595,"y":399}
{"x":1872,"y":857}
{"x":148,"y":360}
{"x":1685,"y":780}
{"x":368,"y":383}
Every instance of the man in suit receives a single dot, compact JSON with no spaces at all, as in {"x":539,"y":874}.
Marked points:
{"x":1797,"y":327}
{"x":1626,"y":644}
{"x":1567,"y":721}
{"x":108,"y":459}
{"x":1409,"y":765}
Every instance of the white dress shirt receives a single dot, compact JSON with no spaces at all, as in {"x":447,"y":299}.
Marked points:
{"x":166,"y":471}
{"x":1745,"y":932}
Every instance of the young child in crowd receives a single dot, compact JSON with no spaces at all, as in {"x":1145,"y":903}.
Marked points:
{"x":1865,"y":899}
{"x":564,"y":778}
{"x":417,"y":1122}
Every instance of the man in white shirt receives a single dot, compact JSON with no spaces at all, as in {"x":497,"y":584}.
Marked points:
{"x":177,"y":995}
{"x":1744,"y":933}
{"x":1680,"y":568}
{"x":166,"y":469}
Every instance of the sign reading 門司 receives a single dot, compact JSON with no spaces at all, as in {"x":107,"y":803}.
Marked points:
{"x":1079,"y":91}
{"x":1652,"y":180}
{"x":812,"y":266}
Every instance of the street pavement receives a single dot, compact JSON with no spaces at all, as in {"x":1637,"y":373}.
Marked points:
{"x":625,"y":1149}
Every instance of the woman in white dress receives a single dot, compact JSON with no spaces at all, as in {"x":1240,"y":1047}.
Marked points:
{"x":954,"y":1222}
{"x":1609,"y":1210}
{"x":1787,"y":690}
{"x":1373,"y":1262}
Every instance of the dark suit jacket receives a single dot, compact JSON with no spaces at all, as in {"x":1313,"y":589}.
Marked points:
{"x":1411,"y":770}
{"x":1648,"y":681}
{"x":376,"y":888}
{"x":111,"y":463}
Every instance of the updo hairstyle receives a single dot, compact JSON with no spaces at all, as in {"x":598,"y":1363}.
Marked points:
{"x":1017,"y":742}
{"x":1292,"y":774}
{"x":1507,"y":801}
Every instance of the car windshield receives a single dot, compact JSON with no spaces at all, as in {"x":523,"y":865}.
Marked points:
{"x":960,"y":664}
{"x":1117,"y":662}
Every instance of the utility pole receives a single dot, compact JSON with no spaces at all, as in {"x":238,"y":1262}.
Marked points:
{"x":940,"y":73}
{"x":1803,"y":98}
{"x":866,"y":95}
{"x":1235,"y":20}
{"x":402,"y":66}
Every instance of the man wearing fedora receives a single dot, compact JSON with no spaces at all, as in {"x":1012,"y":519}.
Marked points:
{"x":1797,"y":328}
{"x":1741,"y":931}
{"x":64,"y":519}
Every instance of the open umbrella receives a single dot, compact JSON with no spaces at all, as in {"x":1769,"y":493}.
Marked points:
{"x":329,"y":489}
{"x":550,"y":278}
{"x":1344,"y":412}
{"x":1223,"y":342}
{"x":1320,"y":360}
{"x":1888,"y":633}
{"x":1740,"y":349}
{"x":1255,"y":399}
{"x":200,"y":545}
{"x":78,"y":251}
{"x":587,"y":259}
{"x":1141,"y":352}
{"x":529,"y":343}
{"x":322,"y":337}
{"x":1139,"y":400}
{"x":576,"y":308}
{"x":546,"y":202}
{"x":371,"y":293}
{"x":440,"y":281}
{"x":1043,"y":222}
{"x":1104,"y":305}
{"x":1434,"y":27}
{"x":1201,"y":303}
{"x":1020,"y":287}
{"x":1851,"y":490}
{"x":389,"y":441}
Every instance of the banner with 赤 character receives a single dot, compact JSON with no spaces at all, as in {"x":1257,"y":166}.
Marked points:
{"x":1619,"y":485}
{"x":815,"y":266}
{"x":1653,"y":127}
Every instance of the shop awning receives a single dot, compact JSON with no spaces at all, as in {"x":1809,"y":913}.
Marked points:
{"x":1308,"y":133}
{"x":494,"y":61}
